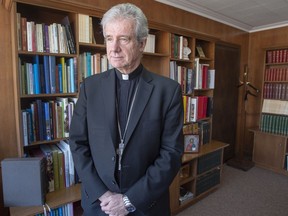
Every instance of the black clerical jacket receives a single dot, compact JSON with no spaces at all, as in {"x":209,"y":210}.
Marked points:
{"x":153,"y":144}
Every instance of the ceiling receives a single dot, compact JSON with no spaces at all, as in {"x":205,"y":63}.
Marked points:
{"x":248,"y":15}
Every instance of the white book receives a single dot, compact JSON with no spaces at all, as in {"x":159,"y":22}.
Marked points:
{"x":194,"y":109}
{"x":39,"y":38}
{"x":279,"y":107}
{"x":150,"y":44}
{"x":25,"y":127}
{"x":30,"y":36}
{"x":211,"y":78}
{"x":197,"y":73}
{"x":83,"y":28}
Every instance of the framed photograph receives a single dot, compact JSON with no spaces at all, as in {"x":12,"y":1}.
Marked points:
{"x":191,"y":143}
{"x":200,"y":52}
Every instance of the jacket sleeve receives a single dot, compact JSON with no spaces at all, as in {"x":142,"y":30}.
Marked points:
{"x":161,"y":173}
{"x":81,"y":151}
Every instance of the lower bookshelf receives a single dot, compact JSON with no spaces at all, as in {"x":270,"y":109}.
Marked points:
{"x":53,"y":199}
{"x":199,"y":175}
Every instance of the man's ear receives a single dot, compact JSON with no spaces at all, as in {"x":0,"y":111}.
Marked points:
{"x":142,"y":44}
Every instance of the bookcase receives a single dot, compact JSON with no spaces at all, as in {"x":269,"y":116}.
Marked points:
{"x":270,"y":139}
{"x":84,"y":55}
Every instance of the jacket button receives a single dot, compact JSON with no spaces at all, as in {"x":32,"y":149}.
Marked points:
{"x":113,"y":158}
{"x":113,"y":182}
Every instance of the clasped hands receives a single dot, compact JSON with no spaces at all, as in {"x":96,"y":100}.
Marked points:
{"x":112,"y":204}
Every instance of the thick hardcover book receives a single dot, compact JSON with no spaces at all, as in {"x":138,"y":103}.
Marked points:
{"x":23,"y":181}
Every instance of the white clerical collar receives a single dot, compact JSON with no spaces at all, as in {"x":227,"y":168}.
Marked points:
{"x":125,"y":76}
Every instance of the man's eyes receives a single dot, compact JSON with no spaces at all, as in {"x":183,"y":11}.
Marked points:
{"x":121,"y":40}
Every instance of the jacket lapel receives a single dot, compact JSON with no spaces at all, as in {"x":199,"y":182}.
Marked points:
{"x":108,"y":97}
{"x":142,"y":98}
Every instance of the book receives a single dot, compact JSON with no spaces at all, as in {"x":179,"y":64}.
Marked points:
{"x":63,"y":103}
{"x":59,"y":155}
{"x":49,"y":167}
{"x":279,"y":107}
{"x":66,"y":157}
{"x":194,"y":109}
{"x":71,"y":176}
{"x":211,"y":79}
{"x":69,"y":35}
{"x":84,"y":32}
{"x":185,"y":195}
{"x":204,"y":131}
{"x":150,"y":43}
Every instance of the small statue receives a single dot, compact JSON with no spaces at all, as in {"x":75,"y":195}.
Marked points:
{"x":186,"y":49}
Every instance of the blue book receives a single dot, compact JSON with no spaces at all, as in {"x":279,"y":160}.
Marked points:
{"x":88,"y":64}
{"x":47,"y":124}
{"x":47,"y":74}
{"x":30,"y":125}
{"x":36,"y":75}
{"x":52,"y":73}
{"x":72,"y":78}
{"x":40,"y":119}
{"x":60,"y":71}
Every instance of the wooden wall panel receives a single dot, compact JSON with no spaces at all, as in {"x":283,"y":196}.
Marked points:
{"x":8,"y":141}
{"x":258,"y":42}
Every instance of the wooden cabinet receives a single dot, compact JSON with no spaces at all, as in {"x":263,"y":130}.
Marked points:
{"x":269,"y":151}
{"x":270,"y":139}
{"x":200,"y":174}
{"x":190,"y":178}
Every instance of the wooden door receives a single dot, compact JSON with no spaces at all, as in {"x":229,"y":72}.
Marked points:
{"x":227,"y":66}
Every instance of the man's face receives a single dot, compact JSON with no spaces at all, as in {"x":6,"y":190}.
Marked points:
{"x":123,"y":50}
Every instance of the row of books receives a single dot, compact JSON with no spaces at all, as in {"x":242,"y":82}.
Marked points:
{"x":277,"y":56}
{"x":48,"y":38}
{"x":201,"y":128}
{"x":184,"y":76}
{"x":65,"y":210}
{"x":86,"y":33}
{"x":204,"y":77}
{"x":276,"y":74}
{"x":276,"y":124}
{"x":278,"y":107}
{"x":196,"y":108}
{"x":48,"y":75}
{"x":60,"y":171}
{"x":275,"y":91}
{"x":201,"y":77}
{"x":177,"y":46}
{"x":47,"y":120}
{"x":92,"y":64}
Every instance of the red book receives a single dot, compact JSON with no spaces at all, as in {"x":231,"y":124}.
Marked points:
{"x":24,"y":33}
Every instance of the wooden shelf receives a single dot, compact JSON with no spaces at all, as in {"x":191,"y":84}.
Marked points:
{"x":205,"y":149}
{"x":53,"y":199}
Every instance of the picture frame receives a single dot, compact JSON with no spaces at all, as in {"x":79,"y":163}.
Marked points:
{"x":200,"y":52}
{"x":191,"y":143}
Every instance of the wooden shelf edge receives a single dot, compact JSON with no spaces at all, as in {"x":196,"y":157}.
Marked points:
{"x":53,"y":199}
{"x":214,"y":145}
